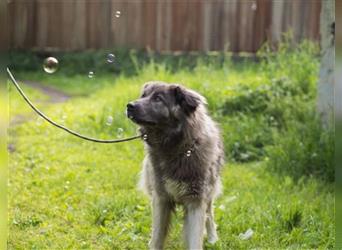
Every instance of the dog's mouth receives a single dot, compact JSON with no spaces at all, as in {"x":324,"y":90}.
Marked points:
{"x":140,"y":121}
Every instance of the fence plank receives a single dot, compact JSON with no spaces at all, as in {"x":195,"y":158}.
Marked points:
{"x":149,"y":24}
{"x":161,"y":25}
{"x":42,"y":24}
{"x":231,"y":32}
{"x":133,"y":29}
{"x":262,"y":21}
{"x":277,"y":20}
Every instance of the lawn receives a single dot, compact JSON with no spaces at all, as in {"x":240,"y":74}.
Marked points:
{"x":65,"y":193}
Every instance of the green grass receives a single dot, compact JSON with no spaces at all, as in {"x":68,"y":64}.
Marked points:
{"x":65,"y":193}
{"x":3,"y":160}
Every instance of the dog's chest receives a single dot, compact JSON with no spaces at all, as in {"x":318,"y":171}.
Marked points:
{"x":179,"y":178}
{"x":176,"y":189}
{"x":179,"y":190}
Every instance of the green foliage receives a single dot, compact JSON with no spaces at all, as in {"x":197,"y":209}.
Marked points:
{"x":245,"y":137}
{"x":262,"y":99}
{"x":278,"y":114}
{"x":253,"y":101}
{"x":65,"y":193}
{"x":127,"y":62}
{"x":304,"y":149}
{"x":298,"y":61}
{"x":292,"y":219}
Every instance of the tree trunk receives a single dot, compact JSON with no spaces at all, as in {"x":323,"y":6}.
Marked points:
{"x":325,"y":102}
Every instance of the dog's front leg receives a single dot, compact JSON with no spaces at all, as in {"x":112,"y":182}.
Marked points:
{"x":161,"y":212}
{"x":194,"y":225}
{"x":210,"y":224}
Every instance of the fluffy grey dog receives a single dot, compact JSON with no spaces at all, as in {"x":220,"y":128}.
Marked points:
{"x":183,"y":160}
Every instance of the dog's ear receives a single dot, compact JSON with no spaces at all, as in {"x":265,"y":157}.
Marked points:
{"x":146,"y":85}
{"x":187,"y":99}
{"x":145,"y":89}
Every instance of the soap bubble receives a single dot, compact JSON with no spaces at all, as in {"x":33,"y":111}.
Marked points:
{"x":64,"y":118}
{"x":117,"y":13}
{"x":50,"y":65}
{"x":39,"y":121}
{"x":91,"y":74}
{"x":120,"y":132}
{"x":254,"y":6}
{"x":110,"y":58}
{"x":109,"y":120}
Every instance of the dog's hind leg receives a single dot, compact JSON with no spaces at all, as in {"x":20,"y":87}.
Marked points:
{"x":210,"y":224}
{"x":194,"y":225}
{"x":161,"y":213}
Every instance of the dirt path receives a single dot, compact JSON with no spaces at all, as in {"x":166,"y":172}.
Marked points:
{"x":55,"y":96}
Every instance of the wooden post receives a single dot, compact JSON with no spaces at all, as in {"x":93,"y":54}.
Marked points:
{"x":325,"y":101}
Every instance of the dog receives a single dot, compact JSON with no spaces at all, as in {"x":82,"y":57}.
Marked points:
{"x":183,"y":161}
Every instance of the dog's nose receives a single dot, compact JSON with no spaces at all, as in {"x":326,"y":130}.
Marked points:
{"x":130,"y":106}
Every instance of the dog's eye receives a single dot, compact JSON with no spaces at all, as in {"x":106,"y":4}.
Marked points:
{"x":157,"y":98}
{"x":143,"y":95}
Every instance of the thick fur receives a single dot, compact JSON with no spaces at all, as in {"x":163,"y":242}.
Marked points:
{"x":184,"y":155}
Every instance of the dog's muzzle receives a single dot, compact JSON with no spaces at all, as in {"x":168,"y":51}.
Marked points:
{"x":131,"y":107}
{"x":133,"y":113}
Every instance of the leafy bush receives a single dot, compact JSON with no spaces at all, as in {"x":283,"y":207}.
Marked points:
{"x":127,"y":61}
{"x":245,"y":137}
{"x":255,"y":113}
{"x":298,"y":61}
{"x":277,"y":119}
{"x":261,"y":104}
{"x":304,"y":149}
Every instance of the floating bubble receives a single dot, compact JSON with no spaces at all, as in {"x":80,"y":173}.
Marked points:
{"x":50,"y":65}
{"x":188,"y":153}
{"x":109,"y":120}
{"x":117,"y":13}
{"x":64,"y":118}
{"x":254,"y":6}
{"x":91,"y":74}
{"x":39,"y":121}
{"x":120,"y":132}
{"x":145,"y":137}
{"x":110,"y":58}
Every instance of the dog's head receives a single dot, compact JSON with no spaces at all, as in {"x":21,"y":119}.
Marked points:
{"x":163,"y":105}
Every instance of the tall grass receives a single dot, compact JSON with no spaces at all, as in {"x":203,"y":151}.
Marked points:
{"x":265,"y":106}
{"x":65,"y":193}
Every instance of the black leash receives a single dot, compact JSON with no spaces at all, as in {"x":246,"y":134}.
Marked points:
{"x":61,"y":126}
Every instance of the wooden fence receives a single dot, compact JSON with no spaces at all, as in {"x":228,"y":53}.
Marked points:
{"x":164,"y":25}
